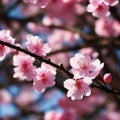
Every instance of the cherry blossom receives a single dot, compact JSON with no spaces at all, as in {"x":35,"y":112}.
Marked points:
{"x":69,"y":47}
{"x":107,"y":27}
{"x":24,"y":68}
{"x":35,"y":45}
{"x":83,"y":65}
{"x":6,"y":37}
{"x":78,"y":88}
{"x":45,"y":76}
{"x":98,"y":8}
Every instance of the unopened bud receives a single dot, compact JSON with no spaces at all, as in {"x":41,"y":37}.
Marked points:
{"x":107,"y":78}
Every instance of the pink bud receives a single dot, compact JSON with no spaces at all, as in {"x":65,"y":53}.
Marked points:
{"x":107,"y":78}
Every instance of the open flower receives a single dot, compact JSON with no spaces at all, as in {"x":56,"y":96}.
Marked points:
{"x":24,"y":66}
{"x":78,"y":88}
{"x":6,"y":37}
{"x":45,"y":76}
{"x":83,"y":66}
{"x":35,"y":45}
{"x":98,"y":8}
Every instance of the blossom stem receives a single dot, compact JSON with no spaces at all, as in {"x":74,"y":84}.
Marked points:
{"x":48,"y":61}
{"x":60,"y":67}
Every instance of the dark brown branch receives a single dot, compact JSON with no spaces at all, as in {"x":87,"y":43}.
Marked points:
{"x":104,"y":43}
{"x":47,"y":61}
{"x":59,"y":67}
{"x":106,"y":89}
{"x":73,"y":29}
{"x":87,"y":37}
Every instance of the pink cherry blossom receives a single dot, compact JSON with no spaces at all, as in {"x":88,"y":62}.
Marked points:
{"x":44,"y":78}
{"x":98,"y":8}
{"x":6,"y":37}
{"x":35,"y":45}
{"x":111,"y":2}
{"x":107,"y":27}
{"x":107,"y":78}
{"x":78,"y":88}
{"x":24,"y":68}
{"x":83,"y":65}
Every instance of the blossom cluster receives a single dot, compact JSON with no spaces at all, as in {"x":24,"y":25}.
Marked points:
{"x":84,"y":68}
{"x":6,"y":37}
{"x":43,"y":76}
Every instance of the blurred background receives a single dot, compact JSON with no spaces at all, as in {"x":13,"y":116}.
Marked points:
{"x":69,"y":29}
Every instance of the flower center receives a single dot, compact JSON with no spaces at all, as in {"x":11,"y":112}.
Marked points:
{"x":36,"y":47}
{"x":25,"y":67}
{"x":44,"y":79}
{"x":100,"y":8}
{"x":84,"y":67}
{"x":2,"y":48}
{"x":78,"y":84}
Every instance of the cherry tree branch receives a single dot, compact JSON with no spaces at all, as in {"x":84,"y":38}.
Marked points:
{"x":96,"y":44}
{"x":59,"y":67}
{"x":47,"y":61}
{"x":90,"y":40}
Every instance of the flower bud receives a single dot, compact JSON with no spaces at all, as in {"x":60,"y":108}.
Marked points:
{"x":107,"y":78}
